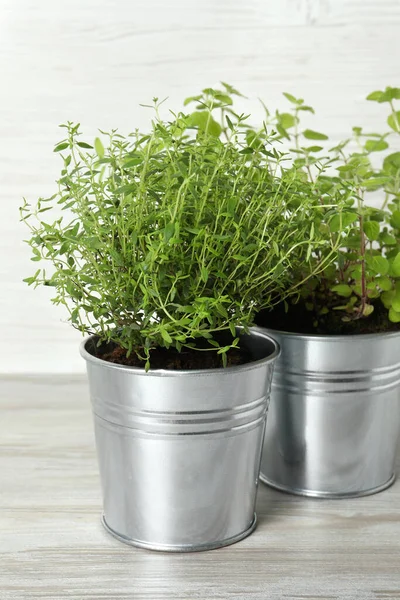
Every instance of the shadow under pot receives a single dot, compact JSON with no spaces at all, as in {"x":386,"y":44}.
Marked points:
{"x":179,"y":451}
{"x":334,"y":418}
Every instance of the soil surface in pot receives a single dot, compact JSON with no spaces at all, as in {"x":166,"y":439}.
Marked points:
{"x":171,"y":359}
{"x":300,"y":320}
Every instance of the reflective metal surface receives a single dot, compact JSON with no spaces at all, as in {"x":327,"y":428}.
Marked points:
{"x":334,"y":417}
{"x":179,"y":451}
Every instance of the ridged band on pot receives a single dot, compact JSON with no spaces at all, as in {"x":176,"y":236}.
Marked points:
{"x":179,"y":451}
{"x":334,"y":417}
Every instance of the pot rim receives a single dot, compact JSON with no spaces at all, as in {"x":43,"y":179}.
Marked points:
{"x":256,"y":364}
{"x":332,"y":337}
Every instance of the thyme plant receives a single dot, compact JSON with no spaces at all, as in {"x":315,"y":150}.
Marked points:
{"x":170,"y":238}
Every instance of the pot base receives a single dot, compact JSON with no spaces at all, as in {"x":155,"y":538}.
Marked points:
{"x":328,"y":495}
{"x":185,"y":547}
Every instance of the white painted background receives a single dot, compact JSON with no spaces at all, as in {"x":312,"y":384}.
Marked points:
{"x":94,"y":61}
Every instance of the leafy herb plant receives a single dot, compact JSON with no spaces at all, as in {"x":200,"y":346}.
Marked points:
{"x":360,"y":290}
{"x":170,"y":238}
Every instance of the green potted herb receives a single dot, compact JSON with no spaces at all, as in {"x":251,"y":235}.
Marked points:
{"x":334,"y":418}
{"x":167,"y":245}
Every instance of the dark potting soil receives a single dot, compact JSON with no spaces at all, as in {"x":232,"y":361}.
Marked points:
{"x":300,"y":320}
{"x":172,"y":360}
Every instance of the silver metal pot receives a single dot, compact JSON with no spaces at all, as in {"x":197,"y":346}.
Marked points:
{"x":179,"y":451}
{"x":334,"y":417}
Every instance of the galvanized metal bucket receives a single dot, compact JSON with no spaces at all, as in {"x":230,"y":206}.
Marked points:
{"x":334,"y":417}
{"x":179,"y":451}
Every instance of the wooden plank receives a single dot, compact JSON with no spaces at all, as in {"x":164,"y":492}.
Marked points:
{"x":52,"y":545}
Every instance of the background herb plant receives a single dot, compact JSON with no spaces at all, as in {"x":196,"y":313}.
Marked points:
{"x":168,"y":239}
{"x":370,"y":259}
{"x":366,"y":272}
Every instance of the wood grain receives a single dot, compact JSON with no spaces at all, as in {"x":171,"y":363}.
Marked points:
{"x":95,"y":61}
{"x":52,"y":545}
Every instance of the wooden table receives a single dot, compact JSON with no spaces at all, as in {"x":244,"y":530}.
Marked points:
{"x":52,"y":544}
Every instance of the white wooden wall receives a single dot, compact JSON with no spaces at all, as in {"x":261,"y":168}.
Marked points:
{"x":94,"y":61}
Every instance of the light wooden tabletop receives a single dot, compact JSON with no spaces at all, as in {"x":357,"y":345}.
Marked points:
{"x":52,"y":544}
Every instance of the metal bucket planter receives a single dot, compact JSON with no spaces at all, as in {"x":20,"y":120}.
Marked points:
{"x":179,"y":451}
{"x":334,"y":417}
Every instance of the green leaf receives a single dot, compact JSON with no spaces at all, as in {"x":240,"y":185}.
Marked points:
{"x":385,"y":283}
{"x":378,"y":264}
{"x":394,"y":121}
{"x":286,"y":120}
{"x":64,"y":248}
{"x":396,"y":302}
{"x":204,"y":274}
{"x":84,"y":145}
{"x":87,"y":279}
{"x":222,"y":310}
{"x":133,"y":162}
{"x":391,"y":163}
{"x":30,"y":280}
{"x":291,"y":98}
{"x":191,"y":99}
{"x":345,"y":168}
{"x":94,"y":243}
{"x":306,"y":108}
{"x":98,"y":146}
{"x":358,"y":165}
{"x":376,"y":145}
{"x":368,"y":310}
{"x":224,"y":98}
{"x":387,"y":298}
{"x":126,"y":189}
{"x":282,"y":131}
{"x":394,"y":316}
{"x":224,"y":360}
{"x":205,"y":122}
{"x":342,"y":289}
{"x":375,"y":96}
{"x":230,"y":124}
{"x":394,"y":93}
{"x":387,"y":239}
{"x":169,"y":231}
{"x":231,"y":90}
{"x":395,"y":265}
{"x":240,"y":257}
{"x":341,"y":221}
{"x":313,"y":149}
{"x":389,"y":94}
{"x":395,"y":219}
{"x":247,"y":151}
{"x":214,"y":128}
{"x":374,"y":214}
{"x":117,"y":257}
{"x":61,"y":147}
{"x":232,"y":202}
{"x":165,"y":335}
{"x":374,"y":182}
{"x":354,"y":270}
{"x":371,"y":230}
{"x":309,"y":134}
